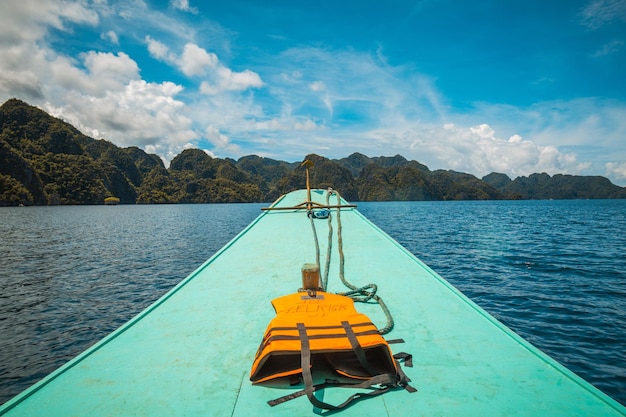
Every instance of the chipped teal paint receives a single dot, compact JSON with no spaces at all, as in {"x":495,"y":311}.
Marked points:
{"x":189,"y":354}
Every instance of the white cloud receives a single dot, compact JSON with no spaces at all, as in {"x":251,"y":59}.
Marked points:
{"x":616,"y":170}
{"x":609,"y":48}
{"x":286,"y":124}
{"x":23,"y":62}
{"x":475,"y":149}
{"x":291,"y":78}
{"x":227,"y":80}
{"x":21,"y":84}
{"x":317,"y":86}
{"x":138,"y":114}
{"x":350,"y":89}
{"x":598,"y":13}
{"x":159,"y":50}
{"x":104,"y":72}
{"x":395,"y":113}
{"x":112,"y":69}
{"x":26,"y":20}
{"x":333,"y":102}
{"x":483,"y":131}
{"x":593,"y":129}
{"x":196,"y":61}
{"x":220,"y":141}
{"x":101,"y":93}
{"x":183,"y":5}
{"x":110,"y":36}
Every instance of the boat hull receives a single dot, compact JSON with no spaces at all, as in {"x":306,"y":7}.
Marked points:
{"x":190,"y":352}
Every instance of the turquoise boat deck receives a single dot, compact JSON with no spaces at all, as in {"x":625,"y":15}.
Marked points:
{"x":190,"y":353}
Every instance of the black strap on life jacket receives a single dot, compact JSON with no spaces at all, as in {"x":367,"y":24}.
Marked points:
{"x":385,"y":382}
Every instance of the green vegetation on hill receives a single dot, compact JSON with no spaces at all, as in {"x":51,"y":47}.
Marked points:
{"x":44,"y":160}
{"x":543,"y":186}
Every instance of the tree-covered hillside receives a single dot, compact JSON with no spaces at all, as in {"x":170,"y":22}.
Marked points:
{"x":44,"y":160}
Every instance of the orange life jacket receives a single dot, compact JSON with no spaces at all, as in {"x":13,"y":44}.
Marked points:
{"x":322,"y":326}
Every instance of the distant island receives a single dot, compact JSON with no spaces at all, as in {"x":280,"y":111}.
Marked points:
{"x":46,"y":161}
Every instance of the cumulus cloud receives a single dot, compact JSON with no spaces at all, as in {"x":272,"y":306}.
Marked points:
{"x":101,"y":93}
{"x":27,"y":20}
{"x":103,"y":72}
{"x":138,"y":114}
{"x":22,"y":60}
{"x":114,"y":68}
{"x":384,"y":111}
{"x":333,"y":102}
{"x":21,"y":84}
{"x":159,"y":50}
{"x":196,"y":61}
{"x":227,"y":80}
{"x":104,"y":95}
{"x":477,"y":150}
{"x":220,"y":140}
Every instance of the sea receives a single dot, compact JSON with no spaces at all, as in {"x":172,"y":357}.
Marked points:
{"x":553,"y":271}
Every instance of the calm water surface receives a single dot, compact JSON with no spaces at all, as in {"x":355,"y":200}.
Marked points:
{"x":554,"y":271}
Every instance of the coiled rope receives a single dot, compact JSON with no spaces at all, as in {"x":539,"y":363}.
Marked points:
{"x":359,"y":294}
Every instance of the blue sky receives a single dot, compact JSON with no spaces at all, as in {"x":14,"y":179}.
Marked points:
{"x":508,"y":86}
